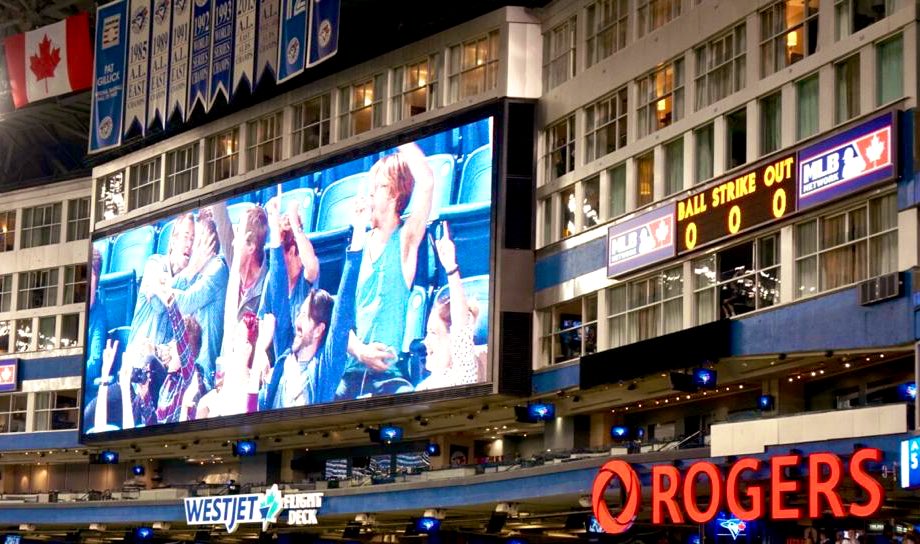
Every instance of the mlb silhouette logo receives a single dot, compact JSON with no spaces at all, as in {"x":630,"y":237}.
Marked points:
{"x":8,"y":378}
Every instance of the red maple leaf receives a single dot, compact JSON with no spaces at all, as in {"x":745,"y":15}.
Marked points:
{"x":44,"y":63}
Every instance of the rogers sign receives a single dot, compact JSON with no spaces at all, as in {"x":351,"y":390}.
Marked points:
{"x":674,"y":496}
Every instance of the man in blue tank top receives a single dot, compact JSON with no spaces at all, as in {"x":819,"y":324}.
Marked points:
{"x":386,"y":273}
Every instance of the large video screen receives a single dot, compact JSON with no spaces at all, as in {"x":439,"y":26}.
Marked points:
{"x":364,"y":279}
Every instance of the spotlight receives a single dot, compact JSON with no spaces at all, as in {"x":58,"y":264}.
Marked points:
{"x":138,"y":470}
{"x":105,"y":457}
{"x":433,"y":449}
{"x":143,"y":533}
{"x":766,"y":403}
{"x":243,"y":448}
{"x":619,"y":432}
{"x":535,"y":412}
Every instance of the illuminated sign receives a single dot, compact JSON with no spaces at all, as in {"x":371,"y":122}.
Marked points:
{"x":8,"y":368}
{"x":760,"y":195}
{"x":674,"y":496}
{"x":847,"y":162}
{"x":641,"y":241}
{"x":910,"y":463}
{"x":735,"y":527}
{"x":233,"y":510}
{"x":327,"y":260}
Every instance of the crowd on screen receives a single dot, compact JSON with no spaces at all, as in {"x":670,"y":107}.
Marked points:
{"x":231,"y":319}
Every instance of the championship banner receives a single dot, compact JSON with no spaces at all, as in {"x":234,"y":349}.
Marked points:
{"x":201,"y":55}
{"x":292,"y":48}
{"x":138,"y":66}
{"x":324,"y":31}
{"x":159,"y":63}
{"x":179,"y":58}
{"x":108,"y":76}
{"x":267,"y":40}
{"x":221,"y":50}
{"x":244,"y":47}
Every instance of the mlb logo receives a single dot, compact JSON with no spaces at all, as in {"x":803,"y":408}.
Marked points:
{"x":111,"y":31}
{"x":8,"y":375}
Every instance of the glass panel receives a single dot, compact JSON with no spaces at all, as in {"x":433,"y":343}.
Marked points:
{"x":890,"y":69}
{"x":592,"y":202}
{"x":567,"y":206}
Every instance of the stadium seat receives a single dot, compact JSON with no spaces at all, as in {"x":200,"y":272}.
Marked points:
{"x":119,"y":291}
{"x":163,"y":235}
{"x":469,"y":226}
{"x":307,"y":199}
{"x":416,"y":316}
{"x":476,"y":178}
{"x":335,"y":204}
{"x":442,"y":166}
{"x":238,"y":210}
{"x":103,"y":245}
{"x":476,"y":289}
{"x":131,"y":250}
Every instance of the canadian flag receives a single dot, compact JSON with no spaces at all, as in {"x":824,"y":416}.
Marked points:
{"x":51,"y":60}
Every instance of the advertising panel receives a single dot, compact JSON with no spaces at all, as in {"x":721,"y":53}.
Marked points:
{"x":760,"y":195}
{"x":367,"y":278}
{"x":641,"y":241}
{"x":852,"y":160}
{"x":910,"y":463}
{"x":8,"y":375}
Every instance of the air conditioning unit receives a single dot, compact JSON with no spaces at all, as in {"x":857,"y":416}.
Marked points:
{"x":880,"y":288}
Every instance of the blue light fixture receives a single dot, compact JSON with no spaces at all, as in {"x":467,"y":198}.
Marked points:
{"x":390,"y":434}
{"x":108,"y":457}
{"x":138,"y":470}
{"x":766,"y":403}
{"x":619,"y":432}
{"x":244,"y":448}
{"x":143,"y":533}
{"x":427,"y":525}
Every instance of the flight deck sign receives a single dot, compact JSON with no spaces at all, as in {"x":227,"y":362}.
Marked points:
{"x":746,"y":200}
{"x":265,"y":508}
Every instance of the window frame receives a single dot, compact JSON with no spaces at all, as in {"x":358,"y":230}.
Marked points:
{"x":145,"y":180}
{"x":7,"y":414}
{"x":549,"y":332}
{"x":77,"y":226}
{"x":8,"y":231}
{"x":181,"y":165}
{"x":28,"y":277}
{"x":710,"y":67}
{"x":648,"y":10}
{"x":466,"y":79}
{"x":566,"y":150}
{"x":610,"y":20}
{"x":651,"y":101}
{"x":301,"y":128}
{"x":629,"y":311}
{"x":559,"y":50}
{"x":401,"y":89}
{"x":616,"y":106}
{"x":776,"y":39}
{"x":29,"y":230}
{"x":264,"y":142}
{"x":220,"y":164}
{"x":354,"y":102}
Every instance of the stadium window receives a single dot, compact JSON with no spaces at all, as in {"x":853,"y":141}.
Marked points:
{"x":181,"y":170}
{"x":720,"y":67}
{"x":110,"y":196}
{"x":145,"y":184}
{"x":736,"y":135}
{"x":559,"y":55}
{"x":75,"y":283}
{"x":37,"y":289}
{"x":569,"y":330}
{"x":846,"y":247}
{"x":846,"y":85}
{"x":704,"y":141}
{"x":7,"y":230}
{"x":264,"y":140}
{"x":361,"y":106}
{"x":6,"y":330}
{"x":889,"y":67}
{"x":653,"y":14}
{"x":591,"y":202}
{"x":311,"y":123}
{"x":851,"y":16}
{"x":674,"y":166}
{"x":737,"y":280}
{"x":473,"y":67}
{"x":24,"y":334}
{"x":6,"y":292}
{"x":47,"y":339}
{"x":645,"y":179}
{"x":806,"y":107}
{"x":661,"y":97}
{"x":567,"y":205}
{"x":56,"y":410}
{"x":13,"y":410}
{"x":616,"y":177}
{"x":771,"y":122}
{"x":414,"y":88}
{"x":607,"y":23}
{"x":41,"y":225}
{"x":645,"y":308}
{"x":605,"y":125}
{"x":70,"y":330}
{"x":560,"y":149}
{"x":789,"y":33}
{"x":77,"y":219}
{"x":223,"y":152}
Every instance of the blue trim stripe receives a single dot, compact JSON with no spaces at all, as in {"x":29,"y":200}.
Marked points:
{"x":570,"y":263}
{"x":50,"y":367}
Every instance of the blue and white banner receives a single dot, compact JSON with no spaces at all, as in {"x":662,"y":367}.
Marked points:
{"x":292,"y":49}
{"x":244,"y":46}
{"x":201,"y":56}
{"x":221,"y":49}
{"x":159,"y":63}
{"x":179,"y":58}
{"x":324,"y":31}
{"x":138,"y":66}
{"x":109,"y":76}
{"x":267,"y":40}
{"x":910,"y":463}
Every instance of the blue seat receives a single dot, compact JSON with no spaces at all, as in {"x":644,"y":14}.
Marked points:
{"x":307,"y":199}
{"x":469,"y":226}
{"x":416,"y":316}
{"x":131,"y":250}
{"x":476,"y":289}
{"x":118,"y":292}
{"x":476,"y":178}
{"x":104,"y":246}
{"x":335,"y":202}
{"x":163,"y":234}
{"x":442,"y":166}
{"x":238,"y":210}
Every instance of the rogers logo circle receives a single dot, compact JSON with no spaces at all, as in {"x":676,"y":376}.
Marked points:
{"x":632,"y":489}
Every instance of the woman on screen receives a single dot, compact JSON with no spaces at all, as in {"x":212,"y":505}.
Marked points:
{"x":451,"y":356}
{"x":236,"y":385}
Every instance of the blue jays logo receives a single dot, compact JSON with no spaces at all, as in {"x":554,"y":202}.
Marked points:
{"x":734,"y":526}
{"x":139,"y":19}
{"x":293,"y":50}
{"x":270,"y":506}
{"x":160,"y":10}
{"x":325,"y":32}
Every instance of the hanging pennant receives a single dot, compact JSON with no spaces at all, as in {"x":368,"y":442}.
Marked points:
{"x":293,"y":40}
{"x":108,"y":76}
{"x":324,"y":31}
{"x":201,"y":56}
{"x":138,"y":66}
{"x":221,"y":50}
{"x":244,"y":46}
{"x":267,"y":40}
{"x":179,"y":58}
{"x":159,"y":64}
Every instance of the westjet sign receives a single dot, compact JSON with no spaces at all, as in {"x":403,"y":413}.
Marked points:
{"x":232,"y":510}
